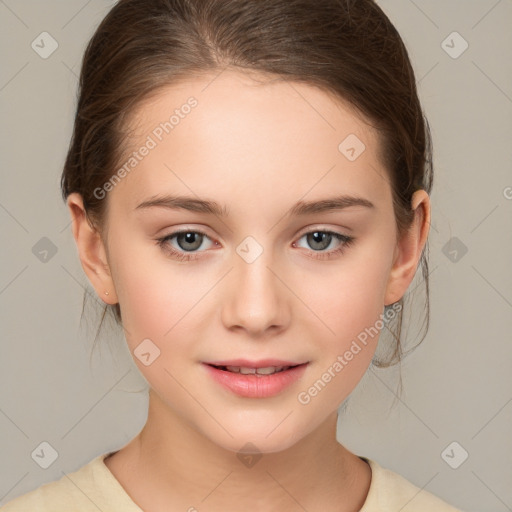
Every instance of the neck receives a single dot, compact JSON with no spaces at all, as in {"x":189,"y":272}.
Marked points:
{"x":170,"y":462}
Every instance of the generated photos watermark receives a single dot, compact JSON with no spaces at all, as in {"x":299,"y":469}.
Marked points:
{"x":304,"y":397}
{"x":152,"y":141}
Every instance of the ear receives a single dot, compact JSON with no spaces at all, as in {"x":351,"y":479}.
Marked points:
{"x":409,"y":248}
{"x":91,"y":250}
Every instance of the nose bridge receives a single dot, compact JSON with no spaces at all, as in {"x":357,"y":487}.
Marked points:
{"x":256,"y":299}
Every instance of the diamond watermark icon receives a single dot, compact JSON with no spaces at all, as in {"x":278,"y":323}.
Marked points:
{"x":44,"y":455}
{"x":251,"y":458}
{"x":352,"y":147}
{"x":454,"y":45}
{"x":454,"y":455}
{"x":249,"y":249}
{"x":44,"y":45}
{"x":44,"y":250}
{"x":146,"y":352}
{"x":454,"y":249}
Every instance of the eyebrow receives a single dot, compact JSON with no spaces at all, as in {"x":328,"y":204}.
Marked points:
{"x":213,"y":208}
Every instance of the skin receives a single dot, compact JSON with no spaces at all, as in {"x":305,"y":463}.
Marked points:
{"x":258,"y":149}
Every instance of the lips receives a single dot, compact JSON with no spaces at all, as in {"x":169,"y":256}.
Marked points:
{"x":255,"y":379}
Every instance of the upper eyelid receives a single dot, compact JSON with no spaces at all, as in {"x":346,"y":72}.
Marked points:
{"x":322,"y":229}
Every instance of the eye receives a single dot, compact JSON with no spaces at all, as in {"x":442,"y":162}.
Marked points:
{"x":187,"y":240}
{"x":320,"y":240}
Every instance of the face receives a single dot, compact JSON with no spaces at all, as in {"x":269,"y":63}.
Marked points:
{"x":259,"y":278}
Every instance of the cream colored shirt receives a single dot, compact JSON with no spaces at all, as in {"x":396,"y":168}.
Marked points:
{"x":94,"y":488}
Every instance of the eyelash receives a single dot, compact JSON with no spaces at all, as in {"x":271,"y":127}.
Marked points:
{"x":181,"y":256}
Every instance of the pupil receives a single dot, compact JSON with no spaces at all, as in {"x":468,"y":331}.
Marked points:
{"x":188,"y":238}
{"x":319,"y":238}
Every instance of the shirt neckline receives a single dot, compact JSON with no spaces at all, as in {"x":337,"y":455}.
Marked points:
{"x":103,"y":473}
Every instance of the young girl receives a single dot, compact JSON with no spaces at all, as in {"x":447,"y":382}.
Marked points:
{"x":249,"y":187}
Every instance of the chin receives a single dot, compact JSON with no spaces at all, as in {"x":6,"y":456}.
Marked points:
{"x":257,"y":445}
{"x":257,"y":441}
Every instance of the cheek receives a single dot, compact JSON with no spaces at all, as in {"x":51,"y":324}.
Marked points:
{"x":348,"y":297}
{"x":154,"y":297}
{"x":348,"y":304}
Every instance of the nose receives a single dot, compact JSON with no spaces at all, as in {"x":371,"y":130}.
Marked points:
{"x":256,"y":299}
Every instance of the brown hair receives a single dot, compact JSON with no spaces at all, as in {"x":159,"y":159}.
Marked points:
{"x":348,"y":48}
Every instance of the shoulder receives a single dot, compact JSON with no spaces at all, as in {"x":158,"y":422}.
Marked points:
{"x":89,"y":489}
{"x":390,"y":492}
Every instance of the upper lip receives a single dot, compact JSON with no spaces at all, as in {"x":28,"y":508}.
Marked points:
{"x":262,"y":363}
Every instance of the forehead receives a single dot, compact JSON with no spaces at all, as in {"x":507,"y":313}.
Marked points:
{"x":242,"y":98}
{"x":250,"y":132}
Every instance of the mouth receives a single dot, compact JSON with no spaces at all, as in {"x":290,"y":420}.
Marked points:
{"x":256,"y":380}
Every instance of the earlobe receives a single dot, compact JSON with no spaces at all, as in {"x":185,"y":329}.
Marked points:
{"x":409,"y":249}
{"x":91,"y":250}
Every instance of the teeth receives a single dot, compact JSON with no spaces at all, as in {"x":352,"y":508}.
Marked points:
{"x":269,"y":370}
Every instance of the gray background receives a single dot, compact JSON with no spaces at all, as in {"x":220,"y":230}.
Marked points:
{"x":457,"y":383}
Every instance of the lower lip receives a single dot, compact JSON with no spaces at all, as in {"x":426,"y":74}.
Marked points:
{"x":251,"y":386}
